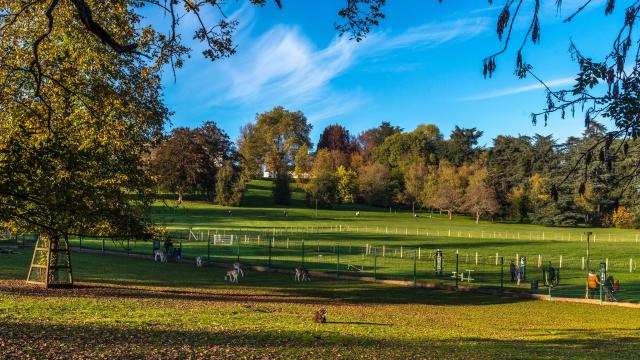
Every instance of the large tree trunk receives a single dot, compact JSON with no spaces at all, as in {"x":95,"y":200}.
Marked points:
{"x":477,"y":217}
{"x":450,"y":212}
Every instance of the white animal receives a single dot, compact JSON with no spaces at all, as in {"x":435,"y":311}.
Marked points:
{"x":302,"y":274}
{"x":199,"y":261}
{"x":357,"y":213}
{"x":159,"y":254}
{"x":231,"y":276}
{"x":238,"y":267}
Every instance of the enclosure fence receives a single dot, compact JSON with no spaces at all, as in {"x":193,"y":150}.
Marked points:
{"x":292,"y":247}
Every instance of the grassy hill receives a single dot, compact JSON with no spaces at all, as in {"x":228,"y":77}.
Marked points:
{"x":129,"y":308}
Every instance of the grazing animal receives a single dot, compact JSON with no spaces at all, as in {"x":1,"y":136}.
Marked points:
{"x":231,"y":276}
{"x":302,"y":274}
{"x":320,"y":317}
{"x":199,"y":261}
{"x":357,"y":213}
{"x":239,"y":268}
{"x":159,"y":254}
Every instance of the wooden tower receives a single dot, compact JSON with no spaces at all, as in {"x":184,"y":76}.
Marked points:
{"x":51,"y":263}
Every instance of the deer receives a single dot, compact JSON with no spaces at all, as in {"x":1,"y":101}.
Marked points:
{"x":231,"y":276}
{"x":302,"y":274}
{"x":239,"y":268}
{"x":161,"y":254}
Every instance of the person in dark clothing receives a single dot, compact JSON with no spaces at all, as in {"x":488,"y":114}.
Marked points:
{"x":513,"y":270}
{"x":168,"y":247}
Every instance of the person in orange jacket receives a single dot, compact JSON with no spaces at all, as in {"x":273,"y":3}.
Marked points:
{"x":593,"y":283}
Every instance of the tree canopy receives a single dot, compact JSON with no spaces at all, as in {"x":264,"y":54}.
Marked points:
{"x":75,"y":122}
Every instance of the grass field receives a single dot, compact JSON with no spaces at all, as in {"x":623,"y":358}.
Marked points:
{"x":395,"y":236}
{"x":383,"y":244}
{"x":134,"y":308}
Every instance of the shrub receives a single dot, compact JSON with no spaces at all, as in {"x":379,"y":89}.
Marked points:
{"x":623,"y":218}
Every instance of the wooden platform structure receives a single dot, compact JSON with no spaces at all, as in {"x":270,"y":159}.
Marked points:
{"x":51,"y":263}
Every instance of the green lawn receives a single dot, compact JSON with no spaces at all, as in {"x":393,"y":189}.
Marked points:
{"x":394,"y":238}
{"x":383,"y":244}
{"x":134,"y":308}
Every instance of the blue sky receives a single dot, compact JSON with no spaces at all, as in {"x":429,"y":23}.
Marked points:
{"x":422,"y":65}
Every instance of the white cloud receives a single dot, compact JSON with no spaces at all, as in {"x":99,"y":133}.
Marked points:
{"x":434,"y":34}
{"x":520,"y":89}
{"x":283,"y":64}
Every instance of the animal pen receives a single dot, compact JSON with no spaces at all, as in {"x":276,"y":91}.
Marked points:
{"x":327,"y":250}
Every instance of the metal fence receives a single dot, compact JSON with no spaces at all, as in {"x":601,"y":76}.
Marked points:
{"x":288,"y":248}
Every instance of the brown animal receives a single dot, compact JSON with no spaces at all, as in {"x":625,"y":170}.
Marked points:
{"x":321,"y":316}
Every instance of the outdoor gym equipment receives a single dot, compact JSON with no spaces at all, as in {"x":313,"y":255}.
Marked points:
{"x":439,"y":262}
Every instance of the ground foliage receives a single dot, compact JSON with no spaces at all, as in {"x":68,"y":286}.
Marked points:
{"x":178,"y":311}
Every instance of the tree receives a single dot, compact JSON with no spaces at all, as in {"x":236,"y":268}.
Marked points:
{"x":74,"y":126}
{"x":216,"y":149}
{"x":302,"y":163}
{"x":347,"y":185}
{"x":252,"y":149}
{"x":402,"y":149}
{"x":479,"y":198}
{"x":159,"y":43}
{"x":323,"y":185}
{"x":623,"y":218}
{"x":444,"y":188}
{"x":282,"y":133}
{"x":229,"y":185}
{"x":189,"y":159}
{"x":336,"y":137}
{"x":370,"y":139}
{"x":377,"y":185}
{"x":414,"y":178}
{"x":607,"y":88}
{"x":178,"y":161}
{"x":460,"y":146}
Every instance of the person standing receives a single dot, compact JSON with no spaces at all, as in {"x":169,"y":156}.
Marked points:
{"x":593,"y":283}
{"x":512,"y":270}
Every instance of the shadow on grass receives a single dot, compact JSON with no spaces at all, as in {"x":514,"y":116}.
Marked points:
{"x":118,"y":276}
{"x":30,"y":340}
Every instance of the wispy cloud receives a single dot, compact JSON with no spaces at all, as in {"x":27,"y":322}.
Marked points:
{"x":434,"y":34}
{"x":284,"y":64}
{"x":519,"y":89}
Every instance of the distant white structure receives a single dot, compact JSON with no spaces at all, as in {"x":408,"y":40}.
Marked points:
{"x":271,"y":175}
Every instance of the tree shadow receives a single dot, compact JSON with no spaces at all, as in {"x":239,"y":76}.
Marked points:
{"x":28,"y":340}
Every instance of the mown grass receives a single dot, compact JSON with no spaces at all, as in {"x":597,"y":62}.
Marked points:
{"x":133,"y":308}
{"x":564,"y":248}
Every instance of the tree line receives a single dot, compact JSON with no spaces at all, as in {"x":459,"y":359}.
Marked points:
{"x":527,"y":179}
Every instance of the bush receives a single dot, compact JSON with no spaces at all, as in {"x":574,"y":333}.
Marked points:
{"x":229,"y":185}
{"x":623,"y":218}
